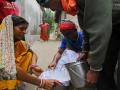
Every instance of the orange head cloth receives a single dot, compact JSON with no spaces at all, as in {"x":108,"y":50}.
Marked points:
{"x":70,"y":6}
{"x":66,"y":26}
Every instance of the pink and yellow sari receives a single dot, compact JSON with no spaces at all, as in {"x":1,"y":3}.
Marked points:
{"x":11,"y":54}
{"x":7,"y":58}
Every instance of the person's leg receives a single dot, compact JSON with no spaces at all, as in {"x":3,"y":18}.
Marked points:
{"x":106,"y":80}
{"x":118,"y":73}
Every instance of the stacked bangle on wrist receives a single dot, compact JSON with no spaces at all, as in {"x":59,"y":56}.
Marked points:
{"x":97,"y":70}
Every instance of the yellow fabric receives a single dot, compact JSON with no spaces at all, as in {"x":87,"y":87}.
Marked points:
{"x":23,"y":59}
{"x":23,"y":56}
{"x":1,"y":27}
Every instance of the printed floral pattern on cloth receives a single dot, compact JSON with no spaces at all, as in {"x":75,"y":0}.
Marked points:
{"x":7,"y":58}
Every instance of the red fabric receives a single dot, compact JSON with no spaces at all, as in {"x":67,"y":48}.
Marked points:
{"x":66,"y":26}
{"x":44,"y":31}
{"x":70,"y":6}
{"x":7,"y":8}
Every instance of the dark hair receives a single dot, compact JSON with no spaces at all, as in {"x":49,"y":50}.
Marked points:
{"x":43,"y":3}
{"x":11,"y":0}
{"x":17,"y":20}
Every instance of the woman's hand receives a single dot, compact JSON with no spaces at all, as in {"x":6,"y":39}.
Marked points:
{"x":49,"y":84}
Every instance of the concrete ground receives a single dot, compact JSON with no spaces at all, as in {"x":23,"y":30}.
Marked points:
{"x":45,"y":52}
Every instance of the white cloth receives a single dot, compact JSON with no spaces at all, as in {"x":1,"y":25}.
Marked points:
{"x":61,"y":75}
{"x":68,"y":56}
{"x":60,"y":72}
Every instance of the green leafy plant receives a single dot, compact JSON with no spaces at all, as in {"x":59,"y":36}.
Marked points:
{"x":48,"y":16}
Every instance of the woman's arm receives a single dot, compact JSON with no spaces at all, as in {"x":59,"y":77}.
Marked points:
{"x":24,"y":76}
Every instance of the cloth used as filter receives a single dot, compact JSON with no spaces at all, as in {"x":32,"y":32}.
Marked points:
{"x":60,"y":72}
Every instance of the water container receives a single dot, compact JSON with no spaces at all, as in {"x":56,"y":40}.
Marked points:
{"x":77,"y":71}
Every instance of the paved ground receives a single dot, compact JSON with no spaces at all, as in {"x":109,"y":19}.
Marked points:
{"x":45,"y":52}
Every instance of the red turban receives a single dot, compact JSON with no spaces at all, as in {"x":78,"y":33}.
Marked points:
{"x":66,"y":26}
